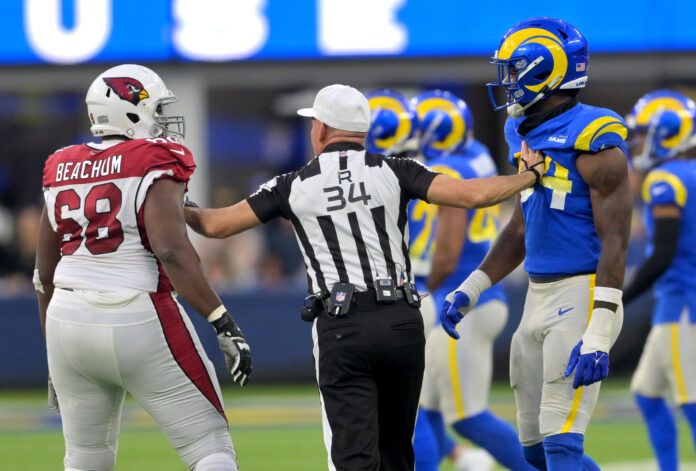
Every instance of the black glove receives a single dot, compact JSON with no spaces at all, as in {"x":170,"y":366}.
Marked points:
{"x":235,"y":348}
{"x":188,"y":203}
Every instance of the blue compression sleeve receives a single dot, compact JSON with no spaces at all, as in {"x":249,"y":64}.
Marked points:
{"x":445,"y":443}
{"x":535,"y":456}
{"x":496,"y":437}
{"x":662,"y":430}
{"x":689,"y":411}
{"x":588,"y":464}
{"x":564,"y":451}
{"x":425,"y":447}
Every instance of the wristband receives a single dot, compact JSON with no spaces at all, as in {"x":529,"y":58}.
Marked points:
{"x":475,"y":284}
{"x":537,"y":175}
{"x":597,"y":337}
{"x":217,"y":313}
{"x":608,"y":295}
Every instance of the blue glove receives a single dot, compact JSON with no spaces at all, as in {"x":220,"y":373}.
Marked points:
{"x":450,"y":315}
{"x":589,"y":367}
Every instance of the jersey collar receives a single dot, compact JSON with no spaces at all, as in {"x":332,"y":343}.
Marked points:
{"x":339,"y":146}
{"x":534,"y":120}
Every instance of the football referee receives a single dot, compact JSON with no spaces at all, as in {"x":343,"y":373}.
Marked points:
{"x":348,"y":210}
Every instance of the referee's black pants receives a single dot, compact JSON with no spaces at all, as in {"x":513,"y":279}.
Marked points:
{"x":370,"y":369}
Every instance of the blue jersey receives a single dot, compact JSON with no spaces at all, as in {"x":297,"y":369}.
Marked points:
{"x":482,"y":228}
{"x":560,"y":235}
{"x":674,"y":183}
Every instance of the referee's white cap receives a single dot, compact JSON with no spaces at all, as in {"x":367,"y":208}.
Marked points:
{"x":341,"y":107}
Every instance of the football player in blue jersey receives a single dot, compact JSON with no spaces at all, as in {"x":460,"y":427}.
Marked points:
{"x":572,"y":233}
{"x":447,"y":245}
{"x":663,"y":137}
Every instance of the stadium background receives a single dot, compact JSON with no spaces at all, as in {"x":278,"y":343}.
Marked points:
{"x":241,"y":69}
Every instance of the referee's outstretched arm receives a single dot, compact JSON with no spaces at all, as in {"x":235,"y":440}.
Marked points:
{"x":444,"y":190}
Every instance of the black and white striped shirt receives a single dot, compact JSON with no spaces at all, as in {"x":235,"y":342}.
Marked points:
{"x":348,"y":209}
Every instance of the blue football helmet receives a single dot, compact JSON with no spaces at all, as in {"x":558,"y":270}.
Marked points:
{"x":391,"y":122}
{"x":665,"y":121}
{"x":535,"y":58}
{"x":444,"y":122}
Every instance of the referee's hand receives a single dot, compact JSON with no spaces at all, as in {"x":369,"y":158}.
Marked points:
{"x":532,"y":161}
{"x":234,"y":347}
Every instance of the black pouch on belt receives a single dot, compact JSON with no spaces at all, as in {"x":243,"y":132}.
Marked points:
{"x":313,"y":307}
{"x":340,"y":299}
{"x":413,"y":298}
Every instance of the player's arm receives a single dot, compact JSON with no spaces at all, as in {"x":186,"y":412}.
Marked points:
{"x":450,"y":235}
{"x":221,"y":222}
{"x":665,"y":240}
{"x":477,"y":192}
{"x":507,"y":252}
{"x":47,"y":258}
{"x":606,"y":173}
{"x":166,"y":232}
{"x":482,"y":192}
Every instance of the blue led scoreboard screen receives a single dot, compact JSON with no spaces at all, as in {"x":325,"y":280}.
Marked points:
{"x":83,"y":31}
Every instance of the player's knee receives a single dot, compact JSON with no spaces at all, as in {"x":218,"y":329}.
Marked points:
{"x":93,"y":458}
{"x":212,"y":444}
{"x":217,"y":462}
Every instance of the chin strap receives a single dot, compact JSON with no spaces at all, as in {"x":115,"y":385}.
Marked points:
{"x":517,"y":111}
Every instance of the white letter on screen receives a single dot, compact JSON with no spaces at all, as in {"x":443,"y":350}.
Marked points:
{"x":219,"y":30}
{"x":53,"y":43}
{"x":360,"y":27}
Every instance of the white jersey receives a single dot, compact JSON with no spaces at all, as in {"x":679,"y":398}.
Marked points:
{"x":95,"y":196}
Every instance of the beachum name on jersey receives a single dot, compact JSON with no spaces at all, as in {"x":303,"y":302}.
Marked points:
{"x":110,"y":165}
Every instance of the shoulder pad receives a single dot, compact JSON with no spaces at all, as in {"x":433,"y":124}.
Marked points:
{"x":52,"y":162}
{"x":165,"y":153}
{"x":664,"y":187}
{"x":598,"y":129}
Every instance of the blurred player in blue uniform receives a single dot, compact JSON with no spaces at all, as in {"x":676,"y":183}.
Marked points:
{"x":662,"y":141}
{"x":446,"y":245}
{"x":571,"y":231}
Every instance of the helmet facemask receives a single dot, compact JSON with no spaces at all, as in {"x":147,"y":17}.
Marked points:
{"x":515,"y":76}
{"x":169,"y":125}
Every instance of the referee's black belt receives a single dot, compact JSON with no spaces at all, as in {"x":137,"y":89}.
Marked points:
{"x":367,"y":300}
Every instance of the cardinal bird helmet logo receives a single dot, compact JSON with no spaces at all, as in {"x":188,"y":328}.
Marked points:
{"x":127,"y":88}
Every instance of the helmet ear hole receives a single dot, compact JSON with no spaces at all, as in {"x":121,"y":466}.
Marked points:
{"x":108,"y":92}
{"x":133,"y":117}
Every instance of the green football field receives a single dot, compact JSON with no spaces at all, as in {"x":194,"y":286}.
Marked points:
{"x":278,"y":428}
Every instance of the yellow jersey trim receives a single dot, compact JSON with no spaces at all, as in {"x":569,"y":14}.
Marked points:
{"x":456,"y":381}
{"x":660,"y":176}
{"x":577,"y":398}
{"x":676,"y":363}
{"x":596,"y":128}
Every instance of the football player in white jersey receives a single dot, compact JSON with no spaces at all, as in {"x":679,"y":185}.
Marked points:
{"x":112,"y":251}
